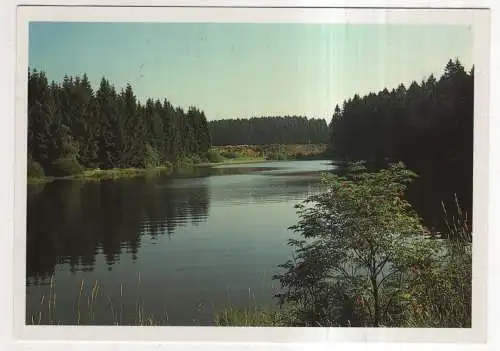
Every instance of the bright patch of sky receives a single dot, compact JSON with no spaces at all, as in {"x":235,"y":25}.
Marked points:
{"x":244,"y":70}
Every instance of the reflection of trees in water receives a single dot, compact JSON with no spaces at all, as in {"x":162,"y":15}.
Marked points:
{"x":71,"y":222}
{"x":169,"y":207}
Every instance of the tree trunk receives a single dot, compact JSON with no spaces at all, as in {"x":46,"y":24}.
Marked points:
{"x":376,"y":314}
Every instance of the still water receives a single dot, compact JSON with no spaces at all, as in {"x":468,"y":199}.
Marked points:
{"x":172,"y":247}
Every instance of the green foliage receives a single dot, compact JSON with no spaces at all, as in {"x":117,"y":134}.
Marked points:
{"x":229,"y":154}
{"x":359,"y":240}
{"x":195,"y":159}
{"x":214,"y":157}
{"x":35,"y":170}
{"x":273,"y":151}
{"x":441,"y":294}
{"x":107,"y":129}
{"x":249,"y":317}
{"x":279,"y":156}
{"x":66,"y":166}
{"x":151,"y":158}
{"x":116,"y":173}
{"x":427,"y":125}
{"x":268,"y":130}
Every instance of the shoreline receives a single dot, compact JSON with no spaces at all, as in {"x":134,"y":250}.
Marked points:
{"x":121,"y":173}
{"x":101,"y":174}
{"x":234,"y":161}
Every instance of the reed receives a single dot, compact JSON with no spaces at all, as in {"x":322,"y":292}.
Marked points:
{"x":87,"y":306}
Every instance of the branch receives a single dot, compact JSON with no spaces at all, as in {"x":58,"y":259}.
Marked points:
{"x":381,"y":265}
{"x":387,"y":276}
{"x":387,"y":306}
{"x":361,"y":258}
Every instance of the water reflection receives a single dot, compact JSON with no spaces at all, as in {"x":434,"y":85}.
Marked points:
{"x":199,"y":237}
{"x":71,"y":221}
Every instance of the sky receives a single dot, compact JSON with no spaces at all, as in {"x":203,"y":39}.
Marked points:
{"x":238,"y":70}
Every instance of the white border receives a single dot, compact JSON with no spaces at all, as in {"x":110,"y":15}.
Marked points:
{"x":256,"y":334}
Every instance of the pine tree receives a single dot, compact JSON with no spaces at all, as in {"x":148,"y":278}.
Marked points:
{"x":108,"y":139}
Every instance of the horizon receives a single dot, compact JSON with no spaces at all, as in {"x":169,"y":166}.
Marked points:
{"x":251,"y":70}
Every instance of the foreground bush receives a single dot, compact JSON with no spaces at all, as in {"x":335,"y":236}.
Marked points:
{"x":441,"y":294}
{"x":363,"y":260}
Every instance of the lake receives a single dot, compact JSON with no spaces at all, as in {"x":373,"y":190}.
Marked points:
{"x":175,"y":247}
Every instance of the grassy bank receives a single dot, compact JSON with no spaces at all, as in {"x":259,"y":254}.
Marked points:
{"x":218,"y":155}
{"x":273,"y":152}
{"x":233,"y":161}
{"x":116,"y":173}
{"x":39,"y":180}
{"x":102,"y":174}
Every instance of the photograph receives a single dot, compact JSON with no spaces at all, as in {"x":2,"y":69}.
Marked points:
{"x":249,"y":173}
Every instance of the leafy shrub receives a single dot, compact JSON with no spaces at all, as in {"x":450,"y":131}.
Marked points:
{"x":66,"y":166}
{"x":35,"y":170}
{"x":229,"y":154}
{"x":363,"y":258}
{"x":359,"y":240}
{"x":214,"y":156}
{"x":195,"y":159}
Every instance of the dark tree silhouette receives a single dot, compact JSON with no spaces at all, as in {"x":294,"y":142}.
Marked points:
{"x":428,"y":126}
{"x":268,"y":130}
{"x":70,"y":127}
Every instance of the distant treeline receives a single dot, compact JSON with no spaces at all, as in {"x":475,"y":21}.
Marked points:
{"x":71,"y":127}
{"x":268,"y":130}
{"x":428,"y":126}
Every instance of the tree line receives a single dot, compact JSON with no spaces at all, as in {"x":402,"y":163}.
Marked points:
{"x":428,"y":126}
{"x":268,"y":130}
{"x":71,"y":127}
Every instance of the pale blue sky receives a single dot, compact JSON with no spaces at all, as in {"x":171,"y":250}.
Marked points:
{"x":244,"y":70}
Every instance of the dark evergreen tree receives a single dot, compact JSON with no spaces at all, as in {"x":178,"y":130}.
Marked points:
{"x":268,"y":130}
{"x":428,"y":126}
{"x":40,"y":118}
{"x":109,"y":131}
{"x":70,"y":127}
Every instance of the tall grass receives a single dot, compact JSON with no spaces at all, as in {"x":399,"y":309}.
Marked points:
{"x":252,"y":315}
{"x":442,"y":293}
{"x":86,"y":308}
{"x":249,"y":317}
{"x":457,"y":225}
